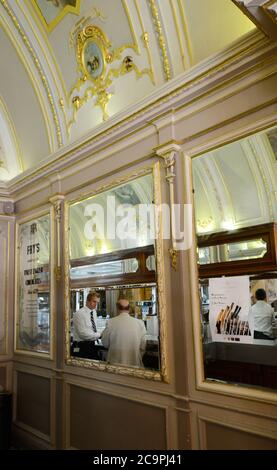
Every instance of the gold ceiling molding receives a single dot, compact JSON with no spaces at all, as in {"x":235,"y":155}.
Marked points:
{"x":175,"y":18}
{"x":95,"y":56}
{"x":62,"y":11}
{"x":186,"y":33}
{"x":145,"y":38}
{"x":90,"y":15}
{"x":162,"y":43}
{"x":33,"y":19}
{"x":39,"y":68}
{"x":135,"y":45}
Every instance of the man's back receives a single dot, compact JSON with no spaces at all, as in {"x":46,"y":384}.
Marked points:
{"x":262,"y":317}
{"x":125,"y":338}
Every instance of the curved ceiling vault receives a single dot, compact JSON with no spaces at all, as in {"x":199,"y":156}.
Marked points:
{"x":47,"y":102}
{"x":235,"y":186}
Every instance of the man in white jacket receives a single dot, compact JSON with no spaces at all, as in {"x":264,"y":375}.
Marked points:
{"x":125,"y":337}
{"x":262,"y":316}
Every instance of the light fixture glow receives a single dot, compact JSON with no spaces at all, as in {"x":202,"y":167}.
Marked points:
{"x":228,"y":225}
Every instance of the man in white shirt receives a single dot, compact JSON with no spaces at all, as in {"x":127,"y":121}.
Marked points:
{"x":84,"y":328}
{"x":125,"y":337}
{"x":262,"y":316}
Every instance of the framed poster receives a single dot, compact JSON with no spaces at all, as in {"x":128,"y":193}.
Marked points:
{"x":33,"y":286}
{"x":229,"y":309}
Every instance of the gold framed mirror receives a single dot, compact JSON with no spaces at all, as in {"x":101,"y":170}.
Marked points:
{"x":113,"y":255}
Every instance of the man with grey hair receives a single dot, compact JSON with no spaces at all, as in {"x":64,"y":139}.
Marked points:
{"x":125,"y":337}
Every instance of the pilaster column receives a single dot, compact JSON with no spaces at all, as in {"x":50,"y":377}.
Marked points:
{"x":57,"y":202}
{"x":7,"y":295}
{"x":169,"y":153}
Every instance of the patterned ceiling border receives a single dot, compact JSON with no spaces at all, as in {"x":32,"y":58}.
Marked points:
{"x":161,"y":39}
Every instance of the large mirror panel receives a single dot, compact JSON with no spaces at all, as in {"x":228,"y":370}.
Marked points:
{"x":114,"y":320}
{"x":236,"y":214}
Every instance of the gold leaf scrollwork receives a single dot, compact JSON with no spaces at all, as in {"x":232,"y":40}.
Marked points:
{"x":58,"y":273}
{"x":97,"y":68}
{"x":174,"y":258}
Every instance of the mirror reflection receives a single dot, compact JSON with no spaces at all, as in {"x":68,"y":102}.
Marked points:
{"x":118,"y":325}
{"x":114,"y":314}
{"x":236,"y":251}
{"x":236,"y":229}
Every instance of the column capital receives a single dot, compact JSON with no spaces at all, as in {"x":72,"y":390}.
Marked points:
{"x":56,"y":201}
{"x":56,"y":197}
{"x":166,"y":150}
{"x":6,"y":207}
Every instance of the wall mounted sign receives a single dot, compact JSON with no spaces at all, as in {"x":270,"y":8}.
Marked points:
{"x":33,"y":285}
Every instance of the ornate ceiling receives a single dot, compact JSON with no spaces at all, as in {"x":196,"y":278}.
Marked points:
{"x":236,"y":186}
{"x":69,"y":65}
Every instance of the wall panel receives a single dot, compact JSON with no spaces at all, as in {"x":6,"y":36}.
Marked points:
{"x":102,"y":421}
{"x":223,"y":438}
{"x":3,"y":376}
{"x":33,"y":402}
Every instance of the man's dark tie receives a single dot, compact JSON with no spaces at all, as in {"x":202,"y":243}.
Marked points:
{"x":93,"y":322}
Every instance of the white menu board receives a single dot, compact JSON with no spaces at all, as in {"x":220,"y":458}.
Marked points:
{"x":229,"y":309}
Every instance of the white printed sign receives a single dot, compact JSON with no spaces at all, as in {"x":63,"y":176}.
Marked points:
{"x":229,"y":309}
{"x":33,"y":283}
